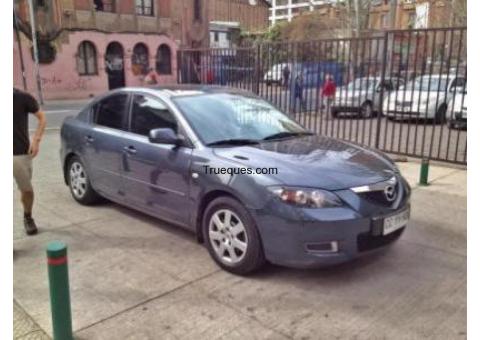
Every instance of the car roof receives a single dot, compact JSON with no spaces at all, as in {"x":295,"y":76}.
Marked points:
{"x":179,"y":90}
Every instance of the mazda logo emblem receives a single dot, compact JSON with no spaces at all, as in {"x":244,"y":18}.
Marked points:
{"x":390,"y":193}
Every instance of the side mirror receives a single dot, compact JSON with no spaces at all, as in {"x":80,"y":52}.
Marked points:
{"x":165,"y":136}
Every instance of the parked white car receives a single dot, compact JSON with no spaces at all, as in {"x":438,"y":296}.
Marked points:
{"x":275,"y":74}
{"x":425,"y":97}
{"x":457,"y":110}
{"x":362,"y":95}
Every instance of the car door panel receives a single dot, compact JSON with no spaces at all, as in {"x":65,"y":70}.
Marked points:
{"x":156,"y":175}
{"x":103,"y":145}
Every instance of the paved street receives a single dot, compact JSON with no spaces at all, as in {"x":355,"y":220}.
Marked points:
{"x":57,"y":111}
{"x":134,"y":277}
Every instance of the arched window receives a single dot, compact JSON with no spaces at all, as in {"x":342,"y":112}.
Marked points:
{"x":164,"y":60}
{"x":140,"y":62}
{"x":87,"y":59}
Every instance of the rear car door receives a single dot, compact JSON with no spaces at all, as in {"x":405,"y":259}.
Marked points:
{"x":156,"y":175}
{"x":103,"y":150}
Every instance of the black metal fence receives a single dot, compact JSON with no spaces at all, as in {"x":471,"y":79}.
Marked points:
{"x":402,"y":92}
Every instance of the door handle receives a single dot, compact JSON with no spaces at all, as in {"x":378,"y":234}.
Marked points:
{"x":130,"y":150}
{"x":89,"y":139}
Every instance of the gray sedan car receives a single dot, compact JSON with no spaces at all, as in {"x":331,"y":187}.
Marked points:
{"x":251,"y":183}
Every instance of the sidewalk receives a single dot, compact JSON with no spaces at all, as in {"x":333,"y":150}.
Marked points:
{"x":134,"y":277}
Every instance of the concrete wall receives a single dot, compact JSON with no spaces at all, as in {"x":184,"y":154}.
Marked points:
{"x":60,"y":79}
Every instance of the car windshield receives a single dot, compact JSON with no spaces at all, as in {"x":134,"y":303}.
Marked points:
{"x":427,"y":83}
{"x":362,"y":84}
{"x":228,"y":117}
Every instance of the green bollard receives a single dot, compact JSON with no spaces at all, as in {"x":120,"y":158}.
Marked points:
{"x":59,"y":291}
{"x":424,"y":172}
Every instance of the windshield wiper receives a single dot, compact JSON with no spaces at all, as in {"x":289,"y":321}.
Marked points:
{"x":285,"y":134}
{"x":234,"y":142}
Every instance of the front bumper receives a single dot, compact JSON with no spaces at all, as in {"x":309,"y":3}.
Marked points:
{"x":288,"y":234}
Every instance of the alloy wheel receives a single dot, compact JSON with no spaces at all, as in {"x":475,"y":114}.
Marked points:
{"x":78,"y":180}
{"x":228,"y":236}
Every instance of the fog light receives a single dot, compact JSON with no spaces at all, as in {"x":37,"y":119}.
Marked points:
{"x":322,"y":247}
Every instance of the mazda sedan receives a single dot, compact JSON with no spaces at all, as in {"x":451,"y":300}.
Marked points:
{"x":250,"y":182}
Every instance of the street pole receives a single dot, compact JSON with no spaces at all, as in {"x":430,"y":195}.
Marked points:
{"x":20,"y":50}
{"x":357,"y":18}
{"x":392,"y":26}
{"x":35,"y":51}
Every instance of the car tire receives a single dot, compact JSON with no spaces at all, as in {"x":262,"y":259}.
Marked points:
{"x":440,"y":115}
{"x":236,"y":246}
{"x":366,"y":110}
{"x":79,"y":183}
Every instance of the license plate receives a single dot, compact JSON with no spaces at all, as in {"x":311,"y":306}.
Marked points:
{"x":395,"y":222}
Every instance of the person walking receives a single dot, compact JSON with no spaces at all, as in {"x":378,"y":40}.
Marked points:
{"x":328,"y":93}
{"x":24,"y":150}
{"x":286,"y":75}
{"x":298,"y":89}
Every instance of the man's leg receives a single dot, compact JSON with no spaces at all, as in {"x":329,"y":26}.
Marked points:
{"x":27,"y":202}
{"x":22,"y":171}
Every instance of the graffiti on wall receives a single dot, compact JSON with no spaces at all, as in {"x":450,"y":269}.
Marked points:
{"x":55,"y":82}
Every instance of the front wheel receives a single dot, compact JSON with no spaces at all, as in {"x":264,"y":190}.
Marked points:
{"x":231,"y":237}
{"x":79,"y":183}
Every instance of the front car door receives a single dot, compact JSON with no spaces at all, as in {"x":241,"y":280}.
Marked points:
{"x":103,"y":149}
{"x":156,"y":175}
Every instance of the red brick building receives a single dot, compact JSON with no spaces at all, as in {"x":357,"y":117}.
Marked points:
{"x":89,"y":46}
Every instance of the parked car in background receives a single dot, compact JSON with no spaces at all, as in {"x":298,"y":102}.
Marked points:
{"x":362,"y":96}
{"x":275,"y":74}
{"x":191,"y":155}
{"x":457,"y":110}
{"x":425,"y":97}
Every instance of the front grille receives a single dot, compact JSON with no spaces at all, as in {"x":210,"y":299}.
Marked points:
{"x":377,"y":197}
{"x":367,"y":241}
{"x":404,"y":104}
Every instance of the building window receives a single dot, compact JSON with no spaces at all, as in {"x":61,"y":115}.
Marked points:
{"x":215,"y":36}
{"x":104,"y":5}
{"x":197,"y":10}
{"x":144,"y":7}
{"x":140,"y":62}
{"x":384,"y":21}
{"x":40,"y":3}
{"x":412,"y":18}
{"x":86,"y":59}
{"x":164,"y":60}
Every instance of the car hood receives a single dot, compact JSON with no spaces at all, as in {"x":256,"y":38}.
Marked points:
{"x":314,"y":161}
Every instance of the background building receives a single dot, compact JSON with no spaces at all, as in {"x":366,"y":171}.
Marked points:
{"x":229,"y":19}
{"x":87,"y":47}
{"x":286,"y":10}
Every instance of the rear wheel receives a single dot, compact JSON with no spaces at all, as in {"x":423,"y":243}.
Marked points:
{"x":366,"y":110}
{"x":79,"y":183}
{"x":231,"y":236}
{"x":440,"y":115}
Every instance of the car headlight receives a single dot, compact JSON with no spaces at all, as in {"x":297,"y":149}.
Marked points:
{"x":306,"y":197}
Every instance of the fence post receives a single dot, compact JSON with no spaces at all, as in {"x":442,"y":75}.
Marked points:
{"x":179,"y":65}
{"x":59,"y":291}
{"x":256,"y":86}
{"x":382,"y":76}
{"x":424,"y":172}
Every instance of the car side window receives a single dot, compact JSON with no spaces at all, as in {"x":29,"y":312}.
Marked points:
{"x":149,"y":113}
{"x":111,"y":111}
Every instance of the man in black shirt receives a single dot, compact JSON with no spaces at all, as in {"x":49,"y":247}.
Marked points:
{"x":24,"y":151}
